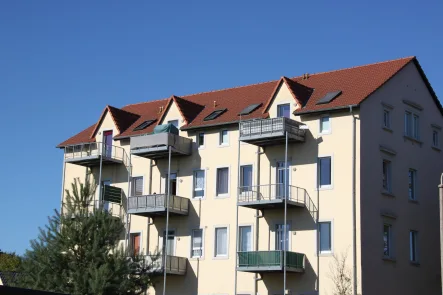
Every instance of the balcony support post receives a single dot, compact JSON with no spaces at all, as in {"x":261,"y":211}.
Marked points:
{"x":236,"y":211}
{"x":166,"y":235}
{"x":286,"y":209}
{"x":63,"y":185}
{"x":100,"y":179}
{"x":128,"y":225}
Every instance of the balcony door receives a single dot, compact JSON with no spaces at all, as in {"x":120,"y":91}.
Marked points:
{"x":282,"y":182}
{"x":168,"y":244}
{"x":105,"y":203}
{"x":135,"y":243}
{"x":173,"y":181}
{"x":107,"y":143}
{"x":279,"y":236}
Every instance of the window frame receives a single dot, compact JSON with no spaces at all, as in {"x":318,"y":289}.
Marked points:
{"x":414,"y":184}
{"x":193,"y":185}
{"x":241,"y":178}
{"x":412,"y":124}
{"x":225,"y":195}
{"x":331,"y":237}
{"x":192,"y":244}
{"x":289,"y":224}
{"x":389,"y":240}
{"x":387,"y":122}
{"x":239,"y":236}
{"x":413,"y":239}
{"x":143,"y":184}
{"x":198,"y":140}
{"x":140,"y":233}
{"x":318,"y":175}
{"x":388,"y":176}
{"x":173,"y":120}
{"x":220,"y":138}
{"x":215,"y":256}
{"x":436,"y":144}
{"x":283,"y":104}
{"x":320,"y":130}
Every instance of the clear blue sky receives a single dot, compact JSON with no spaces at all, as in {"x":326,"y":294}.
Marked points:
{"x":61,"y":62}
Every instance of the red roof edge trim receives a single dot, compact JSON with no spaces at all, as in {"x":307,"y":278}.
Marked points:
{"x":100,"y":120}
{"x":165,"y":110}
{"x":271,"y":98}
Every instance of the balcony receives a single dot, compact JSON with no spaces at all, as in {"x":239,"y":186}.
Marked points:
{"x":155,"y":205}
{"x":270,"y":261}
{"x":114,"y":209}
{"x":156,"y":146}
{"x":263,"y":132}
{"x":174,"y":265}
{"x":89,"y":154}
{"x":272,"y":196}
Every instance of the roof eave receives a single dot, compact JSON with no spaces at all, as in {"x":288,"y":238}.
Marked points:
{"x":339,"y":108}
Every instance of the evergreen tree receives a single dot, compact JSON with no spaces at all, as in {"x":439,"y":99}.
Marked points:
{"x":9,"y":261}
{"x":78,"y":252}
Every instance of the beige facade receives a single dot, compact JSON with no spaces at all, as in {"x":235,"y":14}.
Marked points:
{"x":377,"y":273}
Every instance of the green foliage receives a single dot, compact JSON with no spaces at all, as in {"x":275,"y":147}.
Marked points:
{"x":9,"y":261}
{"x":80,"y":251}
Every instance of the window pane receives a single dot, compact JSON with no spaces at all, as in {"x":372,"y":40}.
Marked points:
{"x":413,"y":245}
{"x":386,"y":240}
{"x":324,"y":124}
{"x":221,"y":242}
{"x":325,"y":171}
{"x":173,"y":122}
{"x":325,"y":236}
{"x":415,"y":129}
{"x":386,"y":175}
{"x":279,"y":236}
{"x":283,"y":110}
{"x":412,"y":181}
{"x":199,"y":184}
{"x":137,"y":186}
{"x":408,"y":124}
{"x":222,"y":180}
{"x":224,"y":137}
{"x":201,"y":139}
{"x":245,"y":238}
{"x":435,"y":138}
{"x":246,"y":178}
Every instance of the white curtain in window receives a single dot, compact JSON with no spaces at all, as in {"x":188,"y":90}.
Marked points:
{"x":221,"y":244}
{"x":245,"y":238}
{"x":199,"y":184}
{"x":137,"y":186}
{"x":222,"y":180}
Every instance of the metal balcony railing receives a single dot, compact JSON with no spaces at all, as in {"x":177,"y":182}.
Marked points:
{"x":270,"y":193}
{"x":173,"y":264}
{"x":270,"y":260}
{"x":155,"y":146}
{"x":157,"y":204}
{"x":114,"y":209}
{"x":91,"y":151}
{"x":272,"y":128}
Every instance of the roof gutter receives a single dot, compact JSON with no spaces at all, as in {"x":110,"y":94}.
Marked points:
{"x":210,"y":125}
{"x":326,"y":110}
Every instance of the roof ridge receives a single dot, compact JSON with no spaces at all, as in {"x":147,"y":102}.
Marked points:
{"x":360,"y":66}
{"x":155,"y":100}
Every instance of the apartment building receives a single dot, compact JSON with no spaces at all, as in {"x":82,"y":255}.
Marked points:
{"x":255,"y":189}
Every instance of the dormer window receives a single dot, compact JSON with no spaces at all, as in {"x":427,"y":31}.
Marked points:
{"x":283,"y":110}
{"x":214,"y":115}
{"x":144,"y":125}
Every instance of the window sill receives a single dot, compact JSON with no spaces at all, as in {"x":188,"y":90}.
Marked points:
{"x":415,"y":263}
{"x":222,"y":197}
{"x":220,"y":257}
{"x":325,"y":254}
{"x":196,"y":258}
{"x":413,"y":201}
{"x":387,"y":129}
{"x":198,"y":199}
{"x":325,"y":188}
{"x":389,"y":259}
{"x":414,"y":140}
{"x":436,"y":148}
{"x":387,"y":194}
{"x":325,"y":133}
{"x":223,"y":145}
{"x":201,"y":147}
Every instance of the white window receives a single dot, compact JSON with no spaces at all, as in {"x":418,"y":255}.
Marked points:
{"x":387,"y":118}
{"x":325,"y":237}
{"x":325,"y":125}
{"x":222,"y":185}
{"x":201,"y":139}
{"x":412,"y":125}
{"x":137,"y":186}
{"x":387,"y":175}
{"x":413,"y":246}
{"x":197,"y":243}
{"x":173,"y":122}
{"x":245,"y":178}
{"x":221,"y":242}
{"x":283,"y":110}
{"x":435,"y":138}
{"x":412,"y":181}
{"x":199,"y":184}
{"x":387,"y":236}
{"x":324,"y":172}
{"x":244,"y":238}
{"x":223,"y":137}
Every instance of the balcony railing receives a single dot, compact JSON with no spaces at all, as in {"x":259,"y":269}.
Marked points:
{"x":273,"y":196}
{"x":114,"y":209}
{"x":155,"y":205}
{"x":270,"y":261}
{"x":88,"y":154}
{"x":155,"y":146}
{"x":271,"y":131}
{"x":174,"y":265}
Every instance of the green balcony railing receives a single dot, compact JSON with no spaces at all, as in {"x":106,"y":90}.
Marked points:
{"x":270,"y":259}
{"x":112,"y":194}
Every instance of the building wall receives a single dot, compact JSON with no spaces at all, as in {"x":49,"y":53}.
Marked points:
{"x":382,"y":276}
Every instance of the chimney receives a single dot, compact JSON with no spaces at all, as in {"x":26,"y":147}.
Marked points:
{"x":215,"y":103}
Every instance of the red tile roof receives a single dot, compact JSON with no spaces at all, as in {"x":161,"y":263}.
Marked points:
{"x":356,"y":84}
